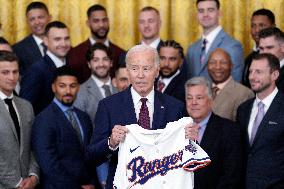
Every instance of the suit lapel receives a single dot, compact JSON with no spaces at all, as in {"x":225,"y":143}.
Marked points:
{"x":83,"y":125}
{"x":93,"y":89}
{"x":159,"y":111}
{"x":33,"y":45}
{"x":197,"y":62}
{"x":210,"y":132}
{"x":127,"y":102}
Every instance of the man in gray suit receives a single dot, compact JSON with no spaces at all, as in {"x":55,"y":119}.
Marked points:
{"x":97,"y":87}
{"x":18,"y":168}
{"x":227,"y":93}
{"x":213,"y":37}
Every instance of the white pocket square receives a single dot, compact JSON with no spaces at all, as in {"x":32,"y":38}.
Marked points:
{"x":272,"y":123}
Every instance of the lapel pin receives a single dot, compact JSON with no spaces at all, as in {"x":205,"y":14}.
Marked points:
{"x":272,"y":123}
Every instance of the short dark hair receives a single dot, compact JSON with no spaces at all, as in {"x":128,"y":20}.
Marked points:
{"x":173,"y":44}
{"x":272,"y":31}
{"x":54,"y":24}
{"x":94,"y":8}
{"x":98,"y":46}
{"x":265,"y":12}
{"x":149,"y":8}
{"x":64,"y":71}
{"x":120,"y":66}
{"x":4,"y":41}
{"x":272,"y":60}
{"x":36,"y":5}
{"x":217,"y":2}
{"x":8,"y":56}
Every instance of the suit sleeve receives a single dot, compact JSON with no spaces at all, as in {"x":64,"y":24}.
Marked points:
{"x":80,"y":101}
{"x":237,"y":56}
{"x":44,"y":145}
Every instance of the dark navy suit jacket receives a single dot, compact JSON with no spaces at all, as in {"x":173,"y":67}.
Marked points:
{"x":265,"y":158}
{"x":36,"y":84}
{"x":58,"y":150}
{"x":28,"y":53}
{"x":221,"y":141}
{"x":118,"y":109}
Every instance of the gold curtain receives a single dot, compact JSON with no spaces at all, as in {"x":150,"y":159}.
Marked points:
{"x":178,"y":18}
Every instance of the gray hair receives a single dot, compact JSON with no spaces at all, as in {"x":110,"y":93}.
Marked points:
{"x":199,"y":81}
{"x":142,"y":48}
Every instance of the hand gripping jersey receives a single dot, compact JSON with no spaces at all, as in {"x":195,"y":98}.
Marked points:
{"x":158,"y":159}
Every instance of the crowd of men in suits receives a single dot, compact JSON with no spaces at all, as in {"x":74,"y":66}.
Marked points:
{"x":64,"y":110}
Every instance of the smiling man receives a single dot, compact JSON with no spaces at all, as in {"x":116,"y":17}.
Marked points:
{"x":140,"y":104}
{"x":36,"y":83}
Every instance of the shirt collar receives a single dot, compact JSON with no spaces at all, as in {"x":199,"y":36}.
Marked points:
{"x":281,"y":63}
{"x":3,"y":96}
{"x":38,"y":40}
{"x":99,"y":82}
{"x":168,"y":80}
{"x":61,"y":106}
{"x":57,"y":61}
{"x":212,"y":35}
{"x":267,"y":100}
{"x":222,"y":85}
{"x":136,"y":97}
{"x":106,"y":43}
{"x":255,"y":48}
{"x":204,"y":122}
{"x":154,"y":44}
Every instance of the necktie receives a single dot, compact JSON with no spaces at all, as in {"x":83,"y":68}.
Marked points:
{"x":161,"y":85}
{"x":203,"y":51}
{"x":215,"y":92}
{"x":74,"y":123}
{"x":257,"y":121}
{"x":14,"y":116}
{"x":44,"y":47}
{"x":107,"y":90}
{"x":144,"y":119}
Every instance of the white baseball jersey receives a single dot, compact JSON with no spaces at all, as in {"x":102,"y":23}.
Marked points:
{"x":158,"y":159}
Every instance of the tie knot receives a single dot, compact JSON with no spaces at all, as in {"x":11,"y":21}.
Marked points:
{"x":107,"y":90}
{"x":143,"y":100}
{"x":204,"y":42}
{"x":8,"y":101}
{"x":260,"y":105}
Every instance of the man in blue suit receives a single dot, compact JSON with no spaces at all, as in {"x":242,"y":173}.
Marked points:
{"x":60,"y":136}
{"x":140,"y":104}
{"x":213,"y":37}
{"x":261,"y":121}
{"x":36,"y":83}
{"x":31,"y":48}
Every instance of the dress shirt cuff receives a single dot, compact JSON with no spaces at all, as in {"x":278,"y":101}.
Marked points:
{"x":19,"y":183}
{"x":37,"y":178}
{"x":108,"y":143}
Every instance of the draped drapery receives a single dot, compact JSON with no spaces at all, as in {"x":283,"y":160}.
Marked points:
{"x":179,"y":20}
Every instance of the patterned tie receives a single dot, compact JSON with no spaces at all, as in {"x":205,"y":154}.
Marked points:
{"x":215,"y":92}
{"x":107,"y":90}
{"x":203,"y":51}
{"x":161,"y":85}
{"x":14,"y":116}
{"x":74,"y":123}
{"x":144,"y":119}
{"x":257,"y":121}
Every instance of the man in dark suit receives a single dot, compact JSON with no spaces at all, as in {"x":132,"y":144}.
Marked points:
{"x":261,"y":19}
{"x":218,"y":136}
{"x":271,"y":40}
{"x":98,"y":23}
{"x":60,"y":136}
{"x":18,"y":167}
{"x":140,"y":104}
{"x":261,"y":121}
{"x":36,"y":83}
{"x":171,"y":80}
{"x":31,"y":49}
{"x":213,"y":37}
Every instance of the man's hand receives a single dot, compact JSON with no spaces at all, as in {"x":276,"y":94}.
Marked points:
{"x":88,"y":186}
{"x":29,"y":183}
{"x":117,"y":135}
{"x":191,"y":131}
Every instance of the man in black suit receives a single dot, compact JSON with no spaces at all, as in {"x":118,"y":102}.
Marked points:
{"x":36,"y":83}
{"x":218,"y":136}
{"x":31,"y":48}
{"x":261,"y":121}
{"x":171,"y":80}
{"x":271,"y":40}
{"x":261,"y":19}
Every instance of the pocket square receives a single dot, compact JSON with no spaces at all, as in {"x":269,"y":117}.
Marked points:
{"x":272,"y":123}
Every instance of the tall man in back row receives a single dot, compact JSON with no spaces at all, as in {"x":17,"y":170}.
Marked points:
{"x":140,"y":104}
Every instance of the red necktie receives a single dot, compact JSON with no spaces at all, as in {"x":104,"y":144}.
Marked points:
{"x":161,"y":85}
{"x":144,"y":119}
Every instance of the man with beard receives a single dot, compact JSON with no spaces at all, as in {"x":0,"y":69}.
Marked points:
{"x":97,"y":87}
{"x":98,"y":24}
{"x":171,"y":80}
{"x":60,"y":135}
{"x":261,"y":120}
{"x":36,"y":83}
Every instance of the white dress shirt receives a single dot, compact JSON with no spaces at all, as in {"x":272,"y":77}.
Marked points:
{"x":57,"y":61}
{"x":154,"y":44}
{"x":211,"y":37}
{"x":100,"y":84}
{"x":106,"y":43}
{"x":167,"y":81}
{"x":39,"y":42}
